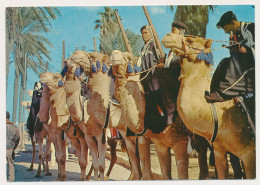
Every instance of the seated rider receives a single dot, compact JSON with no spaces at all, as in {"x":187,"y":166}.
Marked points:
{"x":235,"y":76}
{"x":160,"y":84}
{"x":35,"y":107}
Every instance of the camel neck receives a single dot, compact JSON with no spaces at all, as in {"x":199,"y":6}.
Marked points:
{"x":45,"y":105}
{"x":99,"y":84}
{"x":73,"y":98}
{"x":59,"y":111}
{"x":131,"y":97}
{"x":195,"y":80}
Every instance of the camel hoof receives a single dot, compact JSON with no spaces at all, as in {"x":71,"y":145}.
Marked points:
{"x":63,"y":179}
{"x":30,"y":169}
{"x":87,"y":178}
{"x":38,"y":176}
{"x":106,"y":178}
{"x":48,"y":174}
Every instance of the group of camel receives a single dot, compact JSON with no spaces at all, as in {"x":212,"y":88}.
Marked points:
{"x":85,"y":121}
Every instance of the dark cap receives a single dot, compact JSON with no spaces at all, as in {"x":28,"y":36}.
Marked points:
{"x":7,"y":115}
{"x":179,"y":25}
{"x":226,"y":19}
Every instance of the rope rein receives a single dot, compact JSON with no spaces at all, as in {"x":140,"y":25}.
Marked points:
{"x":194,"y":36}
{"x":147,"y":70}
{"x":212,"y":49}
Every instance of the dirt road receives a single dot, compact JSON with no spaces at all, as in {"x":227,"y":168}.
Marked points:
{"x":23,"y":159}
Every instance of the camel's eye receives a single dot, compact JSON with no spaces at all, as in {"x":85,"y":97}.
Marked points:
{"x":190,"y":41}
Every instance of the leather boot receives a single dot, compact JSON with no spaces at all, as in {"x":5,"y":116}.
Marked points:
{"x":213,"y":97}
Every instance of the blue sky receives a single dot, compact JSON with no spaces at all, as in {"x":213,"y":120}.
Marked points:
{"x":76,"y":24}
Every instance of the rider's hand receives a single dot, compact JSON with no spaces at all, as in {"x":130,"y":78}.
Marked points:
{"x":242,"y":49}
{"x":160,"y":65}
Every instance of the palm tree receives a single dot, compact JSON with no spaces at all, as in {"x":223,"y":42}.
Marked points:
{"x":26,"y":42}
{"x":195,"y":17}
{"x":110,"y":34}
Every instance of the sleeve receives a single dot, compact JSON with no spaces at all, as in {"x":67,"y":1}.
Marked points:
{"x":17,"y":137}
{"x":251,"y":28}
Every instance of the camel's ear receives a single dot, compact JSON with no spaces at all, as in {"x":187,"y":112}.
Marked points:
{"x":105,"y":58}
{"x":208,"y":43}
{"x":129,"y":56}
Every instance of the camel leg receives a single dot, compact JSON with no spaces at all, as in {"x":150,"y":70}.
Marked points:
{"x":57,"y":155}
{"x":164,"y":156}
{"x":62,"y":153}
{"x":135,"y":162}
{"x":81,"y":151}
{"x":235,"y":163}
{"x":94,"y":153}
{"x":90,"y":172}
{"x":249,"y":161}
{"x":47,"y":154}
{"x":203,"y":165}
{"x":221,"y":164}
{"x":43,"y":164}
{"x":136,"y":173}
{"x":101,"y":157}
{"x":145,"y":158}
{"x":182,"y":160}
{"x":40,"y":145}
{"x":112,"y":143}
{"x":33,"y":153}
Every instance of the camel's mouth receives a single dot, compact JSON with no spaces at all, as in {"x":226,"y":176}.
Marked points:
{"x":116,"y":58}
{"x":44,"y":80}
{"x":178,"y":51}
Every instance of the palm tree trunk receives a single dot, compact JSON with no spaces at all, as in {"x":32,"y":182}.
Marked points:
{"x":16,"y":89}
{"x":9,"y":48}
{"x":21,"y":98}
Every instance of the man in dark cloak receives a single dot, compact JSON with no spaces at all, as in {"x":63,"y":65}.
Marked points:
{"x":161,"y":84}
{"x":235,"y":76}
{"x":35,"y":107}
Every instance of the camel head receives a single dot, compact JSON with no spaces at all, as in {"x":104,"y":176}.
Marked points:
{"x":76,"y":64}
{"x":51,"y":80}
{"x":120,"y":61}
{"x":188,"y":47}
{"x":99,"y":62}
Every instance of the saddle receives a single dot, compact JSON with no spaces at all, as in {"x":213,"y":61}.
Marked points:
{"x":246,"y":103}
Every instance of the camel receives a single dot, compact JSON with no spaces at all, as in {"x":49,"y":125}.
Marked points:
{"x":130,"y":93}
{"x":53,"y":105}
{"x":31,"y":124}
{"x":233,"y":132}
{"x":95,"y":110}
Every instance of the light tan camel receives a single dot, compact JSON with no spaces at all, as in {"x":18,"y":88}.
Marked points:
{"x":130,"y":93}
{"x":233,"y":132}
{"x":95,"y":110}
{"x":54,"y":103}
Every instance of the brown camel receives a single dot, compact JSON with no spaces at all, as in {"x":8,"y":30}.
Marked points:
{"x":130,"y":93}
{"x":54,"y":103}
{"x":95,"y":109}
{"x":233,"y":132}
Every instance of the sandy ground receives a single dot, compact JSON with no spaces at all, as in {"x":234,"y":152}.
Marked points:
{"x":23,"y":160}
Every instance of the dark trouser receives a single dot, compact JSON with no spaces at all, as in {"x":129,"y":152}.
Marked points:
{"x":153,"y":119}
{"x":10,"y":164}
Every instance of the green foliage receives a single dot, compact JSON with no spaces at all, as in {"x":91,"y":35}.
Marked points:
{"x":111,"y":36}
{"x":195,"y":17}
{"x":25,"y":28}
